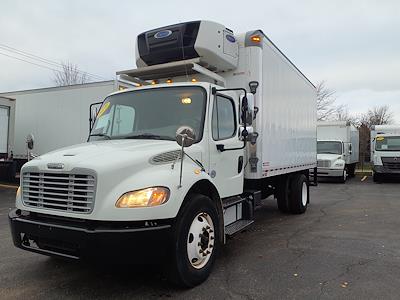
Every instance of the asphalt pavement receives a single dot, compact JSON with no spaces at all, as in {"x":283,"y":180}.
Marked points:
{"x":346,"y":246}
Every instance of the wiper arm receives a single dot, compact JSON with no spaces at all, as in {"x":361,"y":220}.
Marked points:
{"x":101,"y":134}
{"x":150,"y":136}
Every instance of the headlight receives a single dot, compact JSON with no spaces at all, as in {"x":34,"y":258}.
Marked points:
{"x":339,"y":165}
{"x":153,"y":196}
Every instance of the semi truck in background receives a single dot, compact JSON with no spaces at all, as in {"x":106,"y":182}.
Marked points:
{"x":56,"y":117}
{"x":216,"y":122}
{"x":385,"y":151}
{"x":338,"y":149}
{"x":7,"y":125}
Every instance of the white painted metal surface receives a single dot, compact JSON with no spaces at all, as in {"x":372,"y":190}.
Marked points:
{"x":7,"y":124}
{"x":4,"y":121}
{"x":286,"y":121}
{"x":57,"y":117}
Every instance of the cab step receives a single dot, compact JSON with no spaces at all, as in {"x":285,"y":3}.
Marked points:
{"x":237,"y":226}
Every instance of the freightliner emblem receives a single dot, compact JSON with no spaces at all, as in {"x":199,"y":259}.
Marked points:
{"x":57,"y":166}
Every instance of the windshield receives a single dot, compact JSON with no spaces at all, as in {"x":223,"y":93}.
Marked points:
{"x":151,"y":114}
{"x":391,"y":143}
{"x":327,"y":147}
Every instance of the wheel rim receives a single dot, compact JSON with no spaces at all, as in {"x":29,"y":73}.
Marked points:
{"x":200,"y":240}
{"x":304,"y":194}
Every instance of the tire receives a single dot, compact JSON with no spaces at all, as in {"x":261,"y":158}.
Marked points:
{"x":299,"y":194}
{"x":352,"y":170}
{"x":344,"y":176}
{"x":189,"y":266}
{"x":377,"y":177}
{"x":282,"y":194}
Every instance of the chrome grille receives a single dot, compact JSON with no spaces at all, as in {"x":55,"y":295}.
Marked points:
{"x":323,"y":163}
{"x":62,"y":192}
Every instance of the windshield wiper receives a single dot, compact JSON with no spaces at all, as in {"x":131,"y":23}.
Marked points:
{"x":150,"y":136}
{"x":101,"y":134}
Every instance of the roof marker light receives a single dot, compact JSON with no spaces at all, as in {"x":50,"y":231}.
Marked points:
{"x":255,"y":38}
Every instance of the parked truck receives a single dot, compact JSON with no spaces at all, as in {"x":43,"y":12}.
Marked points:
{"x":385,"y":151}
{"x":172,"y":167}
{"x":338,"y":149}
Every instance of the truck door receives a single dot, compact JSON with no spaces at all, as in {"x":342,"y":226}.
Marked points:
{"x":226,"y":167}
{"x":4,"y":123}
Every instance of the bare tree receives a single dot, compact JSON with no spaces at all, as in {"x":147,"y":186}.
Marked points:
{"x":326,"y":103}
{"x":378,"y":115}
{"x":70,"y":75}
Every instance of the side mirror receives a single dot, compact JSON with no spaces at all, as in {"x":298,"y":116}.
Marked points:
{"x":185,"y":136}
{"x":30,"y":141}
{"x":247,"y":108}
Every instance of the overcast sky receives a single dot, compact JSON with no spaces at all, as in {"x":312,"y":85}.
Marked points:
{"x":353,"y":45}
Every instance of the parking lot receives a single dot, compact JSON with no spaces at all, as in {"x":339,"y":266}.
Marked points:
{"x":347,"y":245}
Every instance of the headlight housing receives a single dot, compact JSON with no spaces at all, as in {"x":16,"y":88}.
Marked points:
{"x":339,"y":164}
{"x":148,"y":197}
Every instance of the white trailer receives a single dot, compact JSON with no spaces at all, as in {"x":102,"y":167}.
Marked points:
{"x":57,"y":117}
{"x":385,"y":150}
{"x":338,"y":149}
{"x":178,"y":163}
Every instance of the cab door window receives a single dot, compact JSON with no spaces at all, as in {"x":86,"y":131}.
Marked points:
{"x":223,"y":118}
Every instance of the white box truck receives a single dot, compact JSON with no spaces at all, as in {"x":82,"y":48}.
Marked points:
{"x":338,"y":149}
{"x":175,"y":165}
{"x":385,"y":151}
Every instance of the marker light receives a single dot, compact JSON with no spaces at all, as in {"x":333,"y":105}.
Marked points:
{"x":194,"y":80}
{"x":144,"y":198}
{"x":186,"y":100}
{"x":18,"y":191}
{"x":153,"y":82}
{"x":169,"y":81}
{"x":255,"y":38}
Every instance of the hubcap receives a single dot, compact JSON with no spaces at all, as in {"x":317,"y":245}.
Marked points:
{"x":304,"y":194}
{"x":200,"y":240}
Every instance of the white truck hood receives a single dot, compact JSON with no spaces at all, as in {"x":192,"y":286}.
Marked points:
{"x":330,"y":157}
{"x":112,"y":154}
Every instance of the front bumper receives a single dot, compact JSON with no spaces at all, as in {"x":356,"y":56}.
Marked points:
{"x":91,"y":240}
{"x":327,"y":172}
{"x":385,"y":170}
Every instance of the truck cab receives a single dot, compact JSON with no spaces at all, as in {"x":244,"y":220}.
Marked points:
{"x":179,"y":162}
{"x":385,"y":151}
{"x":330,"y":159}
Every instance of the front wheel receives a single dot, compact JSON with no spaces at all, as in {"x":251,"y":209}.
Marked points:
{"x":196,"y":241}
{"x":344,"y":177}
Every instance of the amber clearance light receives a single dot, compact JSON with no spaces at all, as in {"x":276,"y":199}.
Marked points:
{"x":256,"y":38}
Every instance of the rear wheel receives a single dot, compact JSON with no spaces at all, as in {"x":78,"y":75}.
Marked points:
{"x":352,"y":170}
{"x":196,"y":240}
{"x":299,"y":194}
